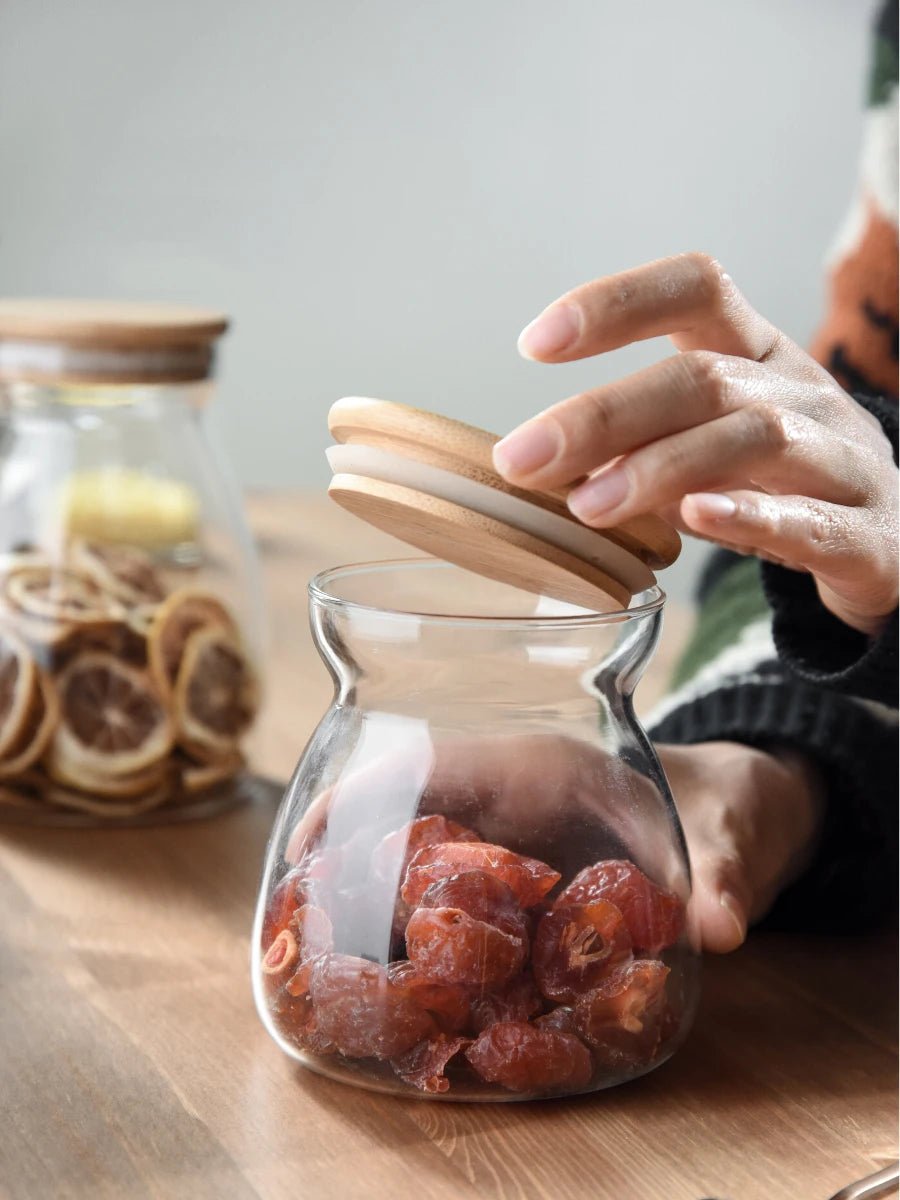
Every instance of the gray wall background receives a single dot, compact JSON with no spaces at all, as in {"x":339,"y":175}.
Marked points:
{"x":382,"y":193}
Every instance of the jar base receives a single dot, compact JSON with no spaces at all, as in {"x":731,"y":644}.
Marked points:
{"x":246,"y":788}
{"x":461,"y":1091}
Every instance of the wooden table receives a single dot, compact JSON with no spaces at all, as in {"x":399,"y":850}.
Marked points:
{"x":132,"y":1063}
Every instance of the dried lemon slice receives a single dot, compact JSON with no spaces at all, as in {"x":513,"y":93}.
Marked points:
{"x":176,"y":619}
{"x":14,"y":560}
{"x":216,"y":693}
{"x":140,"y":619}
{"x":35,"y":732}
{"x":121,"y":571}
{"x":77,"y":775}
{"x":56,"y":594}
{"x":18,"y":680}
{"x":112,"y":719}
{"x":66,"y":798}
{"x":43,"y":637}
{"x":119,"y":637}
{"x":198,"y":776}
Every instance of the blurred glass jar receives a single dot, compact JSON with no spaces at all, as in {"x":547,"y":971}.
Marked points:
{"x":477,"y":884}
{"x":130,"y":611}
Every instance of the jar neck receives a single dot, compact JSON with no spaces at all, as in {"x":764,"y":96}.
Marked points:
{"x":401,"y":662}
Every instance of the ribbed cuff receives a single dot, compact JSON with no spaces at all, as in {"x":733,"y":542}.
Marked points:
{"x":818,"y":647}
{"x":851,"y":884}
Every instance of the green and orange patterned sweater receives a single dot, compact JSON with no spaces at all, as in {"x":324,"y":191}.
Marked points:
{"x":767,"y":664}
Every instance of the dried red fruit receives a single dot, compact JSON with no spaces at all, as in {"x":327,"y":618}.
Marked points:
{"x":654,"y":917}
{"x":312,"y":928}
{"x":278,"y":961}
{"x":618,"y":1052}
{"x":399,"y":921}
{"x":448,"y":946}
{"x":424,"y":1065}
{"x":575,"y":946}
{"x":525,"y":1058}
{"x":560,"y":1018}
{"x":518,"y":1001}
{"x":480,"y":895}
{"x":286,"y":969}
{"x":468,"y":969}
{"x":361,"y":1012}
{"x":309,"y":880}
{"x":529,"y":879}
{"x":477,"y":893}
{"x":393,"y":853}
{"x":631,"y":998}
{"x":448,"y":1003}
{"x":292,"y":1013}
{"x":309,"y":1036}
{"x":319,"y":872}
{"x":286,"y":897}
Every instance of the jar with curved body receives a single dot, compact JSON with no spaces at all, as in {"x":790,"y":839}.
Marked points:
{"x":477,"y":884}
{"x":130,"y":614}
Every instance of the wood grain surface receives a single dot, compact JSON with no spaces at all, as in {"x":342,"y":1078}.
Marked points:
{"x":132,"y":1064}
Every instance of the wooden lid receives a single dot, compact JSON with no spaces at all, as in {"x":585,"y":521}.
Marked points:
{"x":430,"y":481}
{"x":468,"y":451}
{"x":90,"y":341}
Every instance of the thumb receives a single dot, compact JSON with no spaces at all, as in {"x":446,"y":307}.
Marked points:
{"x":720,"y":900}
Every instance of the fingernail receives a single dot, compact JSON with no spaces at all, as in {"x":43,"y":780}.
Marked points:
{"x":527,"y":448}
{"x":734,"y":910}
{"x":555,"y":329}
{"x":712,"y":506}
{"x":598,"y":495}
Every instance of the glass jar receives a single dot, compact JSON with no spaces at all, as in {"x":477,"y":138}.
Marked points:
{"x":477,"y":884}
{"x":130,"y":616}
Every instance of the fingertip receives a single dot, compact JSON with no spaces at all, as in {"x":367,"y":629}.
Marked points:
{"x":705,"y":508}
{"x":721,"y":918}
{"x":523,"y":342}
{"x":736,"y":920}
{"x":721,"y":932}
{"x":504,"y":463}
{"x":527,"y":450}
{"x":556,"y":330}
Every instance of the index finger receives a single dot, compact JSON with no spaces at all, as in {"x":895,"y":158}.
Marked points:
{"x":690,"y":297}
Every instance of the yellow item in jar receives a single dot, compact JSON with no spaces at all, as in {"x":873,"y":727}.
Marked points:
{"x":118,"y":504}
{"x":84,"y":396}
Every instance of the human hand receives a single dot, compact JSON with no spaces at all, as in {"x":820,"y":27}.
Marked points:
{"x":524,"y":791}
{"x":741,"y":438}
{"x":751,"y":819}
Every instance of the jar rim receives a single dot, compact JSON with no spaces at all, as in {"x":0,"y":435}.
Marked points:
{"x":319,"y":593}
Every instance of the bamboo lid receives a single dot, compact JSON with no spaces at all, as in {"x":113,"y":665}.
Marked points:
{"x":430,"y":481}
{"x":89,"y":341}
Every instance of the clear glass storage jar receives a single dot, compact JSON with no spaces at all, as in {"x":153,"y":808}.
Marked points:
{"x":477,"y":884}
{"x":130,"y":616}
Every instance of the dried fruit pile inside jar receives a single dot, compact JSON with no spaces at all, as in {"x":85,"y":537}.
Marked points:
{"x":501,"y":975}
{"x":117,"y":694}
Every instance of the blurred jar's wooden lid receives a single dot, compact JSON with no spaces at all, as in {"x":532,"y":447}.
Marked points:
{"x":90,"y":341}
{"x":430,"y":481}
